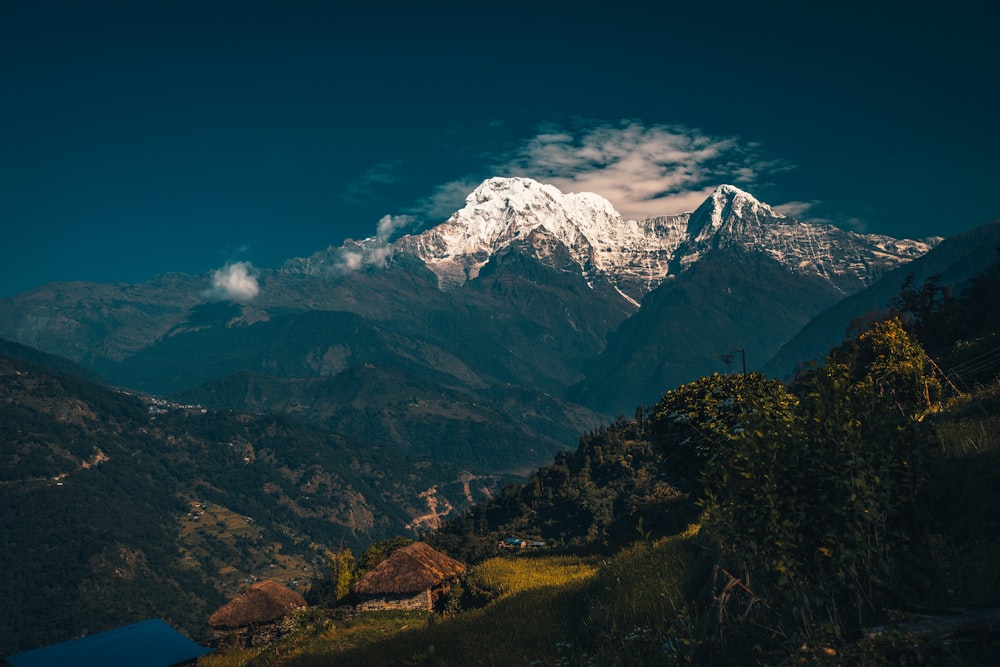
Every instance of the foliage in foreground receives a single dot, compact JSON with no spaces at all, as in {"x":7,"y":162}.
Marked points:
{"x":830,"y":515}
{"x":810,"y":498}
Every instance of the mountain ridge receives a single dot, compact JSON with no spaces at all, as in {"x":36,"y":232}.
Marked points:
{"x":955,"y":260}
{"x":557,"y":280}
{"x":631,"y":255}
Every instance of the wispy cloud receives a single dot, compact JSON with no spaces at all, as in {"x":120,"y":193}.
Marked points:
{"x":812,"y":213}
{"x":389,"y":225}
{"x":234,"y":282}
{"x":373,"y":252}
{"x":643,"y":170}
{"x":353,"y":260}
{"x":800,"y":210}
{"x":360,"y":190}
{"x":446,"y":199}
{"x":856,"y":224}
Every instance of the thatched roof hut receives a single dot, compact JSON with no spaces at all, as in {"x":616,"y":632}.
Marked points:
{"x":410,"y":578}
{"x":262,"y":603}
{"x":411,"y":569}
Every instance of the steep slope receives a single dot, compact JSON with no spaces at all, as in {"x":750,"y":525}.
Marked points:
{"x":632,"y":256}
{"x":502,"y":211}
{"x":733,"y":219}
{"x":547,"y":321}
{"x":641,"y":254}
{"x":955,"y":260}
{"x":114,"y":509}
{"x":731,"y":302}
{"x":744,"y":278}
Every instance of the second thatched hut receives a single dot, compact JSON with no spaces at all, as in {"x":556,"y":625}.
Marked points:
{"x":415,"y":577}
{"x":254,"y":616}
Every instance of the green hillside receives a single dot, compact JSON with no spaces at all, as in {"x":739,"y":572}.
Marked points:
{"x":847,"y":518}
{"x":116,"y":508}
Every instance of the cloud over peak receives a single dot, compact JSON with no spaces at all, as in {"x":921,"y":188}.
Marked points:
{"x":236,"y":281}
{"x":643,"y":170}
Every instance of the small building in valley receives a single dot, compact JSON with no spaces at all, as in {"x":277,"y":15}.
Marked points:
{"x":254,"y":616}
{"x":415,"y":577}
{"x":518,"y":543}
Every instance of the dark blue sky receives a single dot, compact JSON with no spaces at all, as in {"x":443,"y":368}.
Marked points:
{"x":138,"y":138}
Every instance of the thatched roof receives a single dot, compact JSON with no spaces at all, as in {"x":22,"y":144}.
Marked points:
{"x":263,"y":602}
{"x":412,"y":569}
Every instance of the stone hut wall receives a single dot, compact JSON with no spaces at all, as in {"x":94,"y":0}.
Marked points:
{"x":247,"y":637}
{"x":422,"y":601}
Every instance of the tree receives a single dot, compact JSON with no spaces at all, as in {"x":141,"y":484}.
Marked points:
{"x":691,"y":423}
{"x":804,"y":499}
{"x":379,"y":551}
{"x":342,"y":567}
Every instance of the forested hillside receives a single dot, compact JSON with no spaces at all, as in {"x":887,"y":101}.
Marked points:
{"x":859,"y":497}
{"x":736,"y":520}
{"x":115,"y":508}
{"x":846,"y":518}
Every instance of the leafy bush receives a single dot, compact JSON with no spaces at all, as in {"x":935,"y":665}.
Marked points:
{"x":808,"y":499}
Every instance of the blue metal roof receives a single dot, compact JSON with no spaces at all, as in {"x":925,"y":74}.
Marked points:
{"x":151,"y":643}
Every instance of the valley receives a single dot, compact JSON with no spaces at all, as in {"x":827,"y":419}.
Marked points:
{"x":335,"y":408}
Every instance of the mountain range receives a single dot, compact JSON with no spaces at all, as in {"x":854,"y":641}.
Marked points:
{"x":633,"y":256}
{"x":380,"y":386}
{"x":481,"y":345}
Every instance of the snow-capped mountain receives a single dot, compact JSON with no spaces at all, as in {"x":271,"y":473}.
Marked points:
{"x":484,"y":344}
{"x":732,"y":218}
{"x":631,"y":255}
{"x":502,"y":211}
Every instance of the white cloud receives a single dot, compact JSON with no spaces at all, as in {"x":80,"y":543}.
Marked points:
{"x":446,"y":199}
{"x":234,"y":282}
{"x":390,"y":224}
{"x":374,"y":256}
{"x":373,"y":252}
{"x":855,"y":224}
{"x":810,"y":212}
{"x":642,"y":170}
{"x":799,"y":210}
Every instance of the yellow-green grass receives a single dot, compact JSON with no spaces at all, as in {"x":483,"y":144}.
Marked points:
{"x":229,"y":658}
{"x":549,"y":610}
{"x":510,"y":575}
{"x":534,"y":620}
{"x":532,"y":627}
{"x":639,"y":609}
{"x":319,"y":647}
{"x":961,"y":496}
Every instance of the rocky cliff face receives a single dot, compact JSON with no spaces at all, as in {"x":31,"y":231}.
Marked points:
{"x":633,"y":256}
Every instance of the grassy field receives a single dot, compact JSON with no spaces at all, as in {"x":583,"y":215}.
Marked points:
{"x":541,"y":610}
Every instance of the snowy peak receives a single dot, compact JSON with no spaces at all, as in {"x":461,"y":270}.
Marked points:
{"x":728,"y":207}
{"x":504,"y":210}
{"x":631,"y":256}
{"x":524,"y":194}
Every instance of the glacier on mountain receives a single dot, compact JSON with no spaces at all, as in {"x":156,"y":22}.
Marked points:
{"x":632,"y":256}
